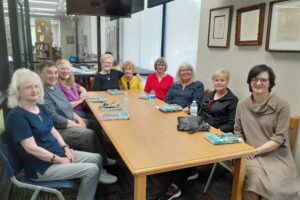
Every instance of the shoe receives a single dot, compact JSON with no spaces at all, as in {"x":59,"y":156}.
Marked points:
{"x":106,"y":178}
{"x":109,"y":162}
{"x":193,"y":176}
{"x":172,"y":192}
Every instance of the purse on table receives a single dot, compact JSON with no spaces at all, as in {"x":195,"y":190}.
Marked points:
{"x":192,"y":124}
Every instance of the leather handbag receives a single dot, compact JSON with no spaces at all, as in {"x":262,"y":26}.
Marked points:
{"x":192,"y":124}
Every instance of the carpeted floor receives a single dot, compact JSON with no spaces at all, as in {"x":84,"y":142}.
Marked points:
{"x":220,"y":188}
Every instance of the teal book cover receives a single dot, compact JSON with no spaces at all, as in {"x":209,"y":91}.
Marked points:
{"x":224,"y":138}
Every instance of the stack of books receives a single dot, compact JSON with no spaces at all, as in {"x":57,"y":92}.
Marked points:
{"x":224,"y":138}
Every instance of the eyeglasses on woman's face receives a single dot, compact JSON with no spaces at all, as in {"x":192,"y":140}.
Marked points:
{"x":262,"y":80}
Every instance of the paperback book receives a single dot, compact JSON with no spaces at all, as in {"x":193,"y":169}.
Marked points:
{"x":96,"y":99}
{"x":116,"y":116}
{"x":144,"y":96}
{"x":169,"y":108}
{"x":224,"y":138}
{"x":114,"y":91}
{"x":113,"y":106}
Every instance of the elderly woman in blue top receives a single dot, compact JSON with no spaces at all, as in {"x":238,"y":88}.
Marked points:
{"x":43,"y":151}
{"x":185,"y":89}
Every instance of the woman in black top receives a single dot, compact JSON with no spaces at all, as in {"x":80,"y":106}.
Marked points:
{"x":218,"y":107}
{"x":107,"y":78}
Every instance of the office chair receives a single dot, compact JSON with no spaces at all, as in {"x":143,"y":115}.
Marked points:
{"x":293,"y":130}
{"x":12,"y":166}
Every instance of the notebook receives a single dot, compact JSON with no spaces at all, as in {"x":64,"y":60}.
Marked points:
{"x":116,"y":116}
{"x":144,"y":96}
{"x":114,"y":91}
{"x":224,"y":138}
{"x":169,"y":108}
{"x":96,"y":99}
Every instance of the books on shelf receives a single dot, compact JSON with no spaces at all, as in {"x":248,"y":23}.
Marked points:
{"x":113,"y":106}
{"x":169,"y":108}
{"x":96,"y":99}
{"x":224,"y":138}
{"x":116,"y":116}
{"x":114,"y":91}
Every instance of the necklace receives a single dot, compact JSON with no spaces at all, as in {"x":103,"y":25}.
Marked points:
{"x":35,"y":110}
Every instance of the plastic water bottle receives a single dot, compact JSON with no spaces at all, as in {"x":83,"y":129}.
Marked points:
{"x":126,"y":102}
{"x":152,"y":98}
{"x":194,"y":108}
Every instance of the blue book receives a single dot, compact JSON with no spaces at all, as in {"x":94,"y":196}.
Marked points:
{"x":224,"y":138}
{"x":116,"y":116}
{"x":169,"y":108}
{"x":144,"y":96}
{"x":113,"y":106}
{"x":96,"y":99}
{"x":114,"y":91}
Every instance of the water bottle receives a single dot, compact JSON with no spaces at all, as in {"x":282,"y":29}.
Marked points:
{"x":194,"y":108}
{"x":126,"y":102}
{"x":152,"y":98}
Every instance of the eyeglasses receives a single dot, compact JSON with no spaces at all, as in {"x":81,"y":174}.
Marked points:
{"x":30,"y":87}
{"x":262,"y":80}
{"x":128,"y":85}
{"x":107,"y":63}
{"x":186,"y":70}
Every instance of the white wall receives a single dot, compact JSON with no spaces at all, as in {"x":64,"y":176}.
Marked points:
{"x":239,"y":59}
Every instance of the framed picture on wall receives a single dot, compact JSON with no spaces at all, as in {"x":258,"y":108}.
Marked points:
{"x":283,"y":32}
{"x":249,"y":25}
{"x":219,"y":27}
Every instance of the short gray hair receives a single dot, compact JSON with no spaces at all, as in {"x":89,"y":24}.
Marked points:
{"x":220,"y":72}
{"x":13,"y":90}
{"x":182,"y":66}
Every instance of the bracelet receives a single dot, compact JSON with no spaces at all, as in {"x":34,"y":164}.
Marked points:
{"x":65,"y":146}
{"x":53,"y":157}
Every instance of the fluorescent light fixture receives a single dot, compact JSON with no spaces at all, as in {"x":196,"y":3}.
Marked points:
{"x":44,"y":2}
{"x":47,"y":14}
{"x":43,"y":9}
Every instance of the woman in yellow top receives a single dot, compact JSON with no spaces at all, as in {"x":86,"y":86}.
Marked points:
{"x":128,"y":80}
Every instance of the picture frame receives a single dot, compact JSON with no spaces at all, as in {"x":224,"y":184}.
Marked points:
{"x":219,"y":27}
{"x":283,"y":31}
{"x":249,"y":25}
{"x":70,"y":39}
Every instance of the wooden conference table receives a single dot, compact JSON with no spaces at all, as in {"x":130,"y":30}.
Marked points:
{"x":149,"y":143}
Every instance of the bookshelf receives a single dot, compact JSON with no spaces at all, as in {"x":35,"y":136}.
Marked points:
{"x":43,"y":50}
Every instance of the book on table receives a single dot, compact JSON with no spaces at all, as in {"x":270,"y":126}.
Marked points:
{"x":96,"y":99}
{"x":144,"y":96}
{"x":114,"y":91}
{"x":169,"y":108}
{"x":116,"y":116}
{"x":113,"y":106}
{"x":224,"y":138}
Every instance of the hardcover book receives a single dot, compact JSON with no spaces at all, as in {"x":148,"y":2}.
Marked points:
{"x":224,"y":138}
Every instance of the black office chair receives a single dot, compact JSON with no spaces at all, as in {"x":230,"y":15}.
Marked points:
{"x":12,"y":166}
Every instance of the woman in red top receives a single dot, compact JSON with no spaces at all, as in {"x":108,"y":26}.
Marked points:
{"x":159,"y":81}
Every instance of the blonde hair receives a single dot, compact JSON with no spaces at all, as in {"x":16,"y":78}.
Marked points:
{"x":103,"y":58}
{"x":128,"y":64}
{"x":16,"y":81}
{"x":224,"y":72}
{"x":69,"y":81}
{"x":183,"y":66}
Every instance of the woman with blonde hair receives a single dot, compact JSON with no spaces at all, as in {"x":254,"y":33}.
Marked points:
{"x":74,"y":92}
{"x":185,"y":89}
{"x":218,"y":107}
{"x":129,"y":81}
{"x":107,"y":77}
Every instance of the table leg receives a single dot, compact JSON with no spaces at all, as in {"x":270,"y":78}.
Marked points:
{"x":238,"y":179}
{"x":140,"y":187}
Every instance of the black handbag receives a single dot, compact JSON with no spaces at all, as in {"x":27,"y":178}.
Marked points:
{"x":192,"y":124}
